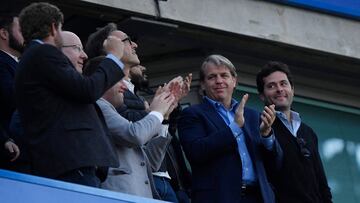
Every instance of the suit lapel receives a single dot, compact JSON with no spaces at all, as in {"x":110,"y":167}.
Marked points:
{"x":212,"y":115}
{"x":12,"y":63}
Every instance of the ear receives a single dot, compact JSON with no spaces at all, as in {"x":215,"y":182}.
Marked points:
{"x":4,"y":34}
{"x":202,"y":86}
{"x":235,"y":81}
{"x":54,"y":30}
{"x":262,"y":97}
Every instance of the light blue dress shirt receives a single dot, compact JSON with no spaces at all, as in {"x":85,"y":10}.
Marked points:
{"x":292,"y":126}
{"x":248,"y":172}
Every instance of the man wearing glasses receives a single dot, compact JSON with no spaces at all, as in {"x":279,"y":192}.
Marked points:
{"x":73,"y":49}
{"x":302,"y":177}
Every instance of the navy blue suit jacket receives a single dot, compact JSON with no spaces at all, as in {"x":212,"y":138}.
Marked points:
{"x":211,"y":149}
{"x":56,"y":106}
{"x":7,"y":77}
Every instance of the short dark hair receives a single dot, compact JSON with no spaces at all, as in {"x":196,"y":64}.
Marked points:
{"x":6,"y":20}
{"x":269,"y":68}
{"x":94,"y":44}
{"x":217,"y":60}
{"x":92,"y":65}
{"x":37,"y":18}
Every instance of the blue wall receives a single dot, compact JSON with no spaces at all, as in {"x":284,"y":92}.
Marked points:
{"x":346,"y":8}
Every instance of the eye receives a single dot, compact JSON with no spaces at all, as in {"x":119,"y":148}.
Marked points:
{"x":270,"y":86}
{"x":284,"y":83}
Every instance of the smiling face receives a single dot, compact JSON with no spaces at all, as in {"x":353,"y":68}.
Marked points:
{"x":130,"y":58}
{"x":218,"y":83}
{"x":278,"y":91}
{"x":73,"y":49}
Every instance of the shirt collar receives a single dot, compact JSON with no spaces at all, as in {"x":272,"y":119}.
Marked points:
{"x":38,"y":41}
{"x":217,"y":104}
{"x":295,"y":116}
{"x":129,"y":85}
{"x":12,"y":56}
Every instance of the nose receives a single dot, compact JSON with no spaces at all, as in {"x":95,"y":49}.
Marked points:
{"x":83,"y":55}
{"x":279,"y":88}
{"x":218,"y":79}
{"x":134,"y":45}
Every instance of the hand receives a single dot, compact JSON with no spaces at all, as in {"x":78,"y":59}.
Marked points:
{"x":147,"y":106}
{"x":13,"y":149}
{"x":239,"y":113}
{"x":162,"y":101}
{"x":172,"y":107}
{"x":114,"y":45}
{"x":267,"y":119}
{"x":185,"y":88}
{"x":174,"y":87}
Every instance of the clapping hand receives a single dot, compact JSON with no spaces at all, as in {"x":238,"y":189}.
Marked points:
{"x":239,"y":113}
{"x":267,"y":119}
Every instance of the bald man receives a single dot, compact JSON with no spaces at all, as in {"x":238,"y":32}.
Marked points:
{"x":73,"y":49}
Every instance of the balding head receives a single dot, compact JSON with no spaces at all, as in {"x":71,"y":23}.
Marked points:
{"x":73,"y":49}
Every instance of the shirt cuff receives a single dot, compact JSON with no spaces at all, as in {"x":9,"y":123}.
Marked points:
{"x":268,"y":142}
{"x":158,"y":115}
{"x":164,"y":131}
{"x":116,"y":60}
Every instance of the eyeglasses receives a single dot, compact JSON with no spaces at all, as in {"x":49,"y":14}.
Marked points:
{"x":127,"y":39}
{"x":302,"y":144}
{"x":77,"y":47}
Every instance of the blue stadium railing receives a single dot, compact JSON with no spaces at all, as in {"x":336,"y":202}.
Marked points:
{"x":18,"y":187}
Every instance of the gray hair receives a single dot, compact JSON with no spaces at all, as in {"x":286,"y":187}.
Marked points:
{"x":217,"y":60}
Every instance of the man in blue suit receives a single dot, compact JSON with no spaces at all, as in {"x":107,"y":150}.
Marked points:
{"x":225,"y":142}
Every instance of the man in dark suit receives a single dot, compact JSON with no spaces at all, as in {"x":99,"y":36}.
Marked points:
{"x":224,"y":141}
{"x":66,"y":138}
{"x":11,"y":47}
{"x":302,"y":178}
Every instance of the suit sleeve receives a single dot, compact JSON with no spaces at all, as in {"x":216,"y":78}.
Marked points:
{"x":200,"y":142}
{"x":3,"y":137}
{"x":323,"y":184}
{"x":58,"y":74}
{"x":124,"y":132}
{"x":156,"y":149}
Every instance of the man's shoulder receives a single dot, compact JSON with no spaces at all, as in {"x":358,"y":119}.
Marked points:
{"x":306,"y":128}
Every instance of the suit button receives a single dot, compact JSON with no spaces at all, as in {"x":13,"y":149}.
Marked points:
{"x":146,"y":182}
{"x":142,"y":164}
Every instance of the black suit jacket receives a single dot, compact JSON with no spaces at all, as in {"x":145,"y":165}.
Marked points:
{"x":56,"y":109}
{"x":7,"y":76}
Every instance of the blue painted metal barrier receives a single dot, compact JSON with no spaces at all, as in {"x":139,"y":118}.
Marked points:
{"x":19,"y":188}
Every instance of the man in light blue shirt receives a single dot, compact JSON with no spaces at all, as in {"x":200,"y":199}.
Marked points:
{"x":301,"y":177}
{"x":226,"y":142}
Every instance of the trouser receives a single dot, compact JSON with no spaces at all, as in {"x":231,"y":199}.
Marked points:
{"x":164,"y":189}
